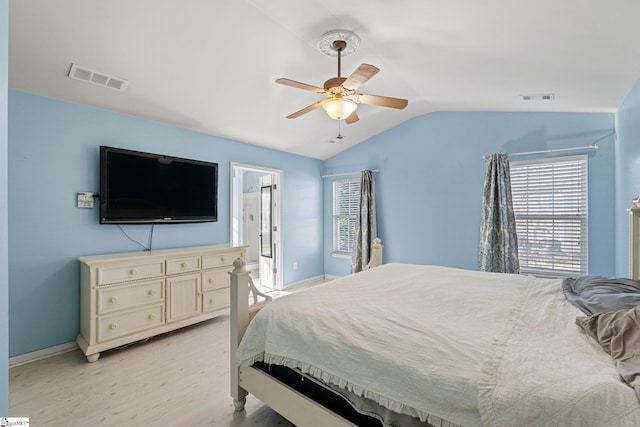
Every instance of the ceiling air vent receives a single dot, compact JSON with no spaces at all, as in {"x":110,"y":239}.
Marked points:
{"x":97,"y":78}
{"x":538,"y":97}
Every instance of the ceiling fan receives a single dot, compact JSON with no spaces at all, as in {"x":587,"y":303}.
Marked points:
{"x":340,"y":97}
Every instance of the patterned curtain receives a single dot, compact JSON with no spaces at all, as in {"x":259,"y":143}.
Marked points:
{"x":366,"y":228}
{"x":498,"y":240}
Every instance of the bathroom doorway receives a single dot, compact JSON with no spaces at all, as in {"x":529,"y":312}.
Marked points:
{"x":256,"y":213}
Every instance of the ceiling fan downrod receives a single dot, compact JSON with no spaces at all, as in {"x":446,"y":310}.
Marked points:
{"x":339,"y":45}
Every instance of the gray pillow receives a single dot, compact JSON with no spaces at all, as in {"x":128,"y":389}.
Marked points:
{"x":597,"y":294}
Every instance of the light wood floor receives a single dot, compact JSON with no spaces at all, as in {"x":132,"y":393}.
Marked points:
{"x":177,"y":379}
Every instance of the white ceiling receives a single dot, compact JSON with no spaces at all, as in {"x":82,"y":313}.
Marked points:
{"x":211,"y":65}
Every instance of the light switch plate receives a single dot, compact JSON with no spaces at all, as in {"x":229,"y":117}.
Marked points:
{"x":85,"y":200}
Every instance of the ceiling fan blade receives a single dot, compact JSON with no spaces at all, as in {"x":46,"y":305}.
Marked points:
{"x":382,"y":101}
{"x":353,"y":117}
{"x":360,"y":76}
{"x":305,"y":110}
{"x":293,"y":83}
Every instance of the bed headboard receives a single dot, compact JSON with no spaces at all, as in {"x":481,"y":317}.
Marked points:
{"x":376,"y":254}
{"x":634,"y":242}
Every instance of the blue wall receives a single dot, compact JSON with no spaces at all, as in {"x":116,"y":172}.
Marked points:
{"x":53,"y":154}
{"x":429,"y":195}
{"x":4,"y":278}
{"x":627,"y":172}
{"x":428,"y":190}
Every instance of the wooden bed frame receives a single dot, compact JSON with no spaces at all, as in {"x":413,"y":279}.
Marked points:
{"x":294,"y":406}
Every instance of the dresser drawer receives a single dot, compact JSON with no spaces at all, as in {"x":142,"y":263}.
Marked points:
{"x":183,"y":265}
{"x":129,"y":296}
{"x":216,"y":279}
{"x":221,"y":260}
{"x":115,"y":326}
{"x":121,"y":273}
{"x":215,"y":300}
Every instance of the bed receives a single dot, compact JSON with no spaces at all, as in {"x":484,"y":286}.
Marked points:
{"x":418,"y":345}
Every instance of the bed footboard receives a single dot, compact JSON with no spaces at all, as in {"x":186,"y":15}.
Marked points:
{"x":241,"y":311}
{"x":246,"y":301}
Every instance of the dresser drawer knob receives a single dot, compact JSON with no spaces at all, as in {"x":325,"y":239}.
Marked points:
{"x":210,"y":280}
{"x":152,"y":292}
{"x":183,"y":265}
{"x":221,"y":259}
{"x":211,"y":300}
{"x":133,"y":271}
{"x":152,"y":317}
{"x":113,"y":326}
{"x":113,"y":300}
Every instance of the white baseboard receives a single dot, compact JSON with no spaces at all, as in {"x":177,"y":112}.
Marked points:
{"x":310,"y":281}
{"x":42,"y":354}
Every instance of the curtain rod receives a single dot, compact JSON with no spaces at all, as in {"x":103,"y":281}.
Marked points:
{"x":346,"y":173}
{"x":557,"y":150}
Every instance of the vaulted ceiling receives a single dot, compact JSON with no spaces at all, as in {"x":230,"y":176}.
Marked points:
{"x":211,"y":65}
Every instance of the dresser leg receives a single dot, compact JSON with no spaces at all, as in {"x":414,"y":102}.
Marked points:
{"x":93,"y":357}
{"x":239,"y":404}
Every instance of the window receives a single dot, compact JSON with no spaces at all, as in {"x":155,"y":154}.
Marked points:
{"x":550,"y":206}
{"x":346,"y":204}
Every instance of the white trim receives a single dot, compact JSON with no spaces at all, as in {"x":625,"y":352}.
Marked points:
{"x":593,"y":146}
{"x":344,"y":255}
{"x":23,"y":359}
{"x":347,"y":173}
{"x":307,"y":282}
{"x":254,"y":168}
{"x":279,"y":200}
{"x":561,"y":159}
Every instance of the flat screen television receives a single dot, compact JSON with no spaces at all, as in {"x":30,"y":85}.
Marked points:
{"x":146,"y":188}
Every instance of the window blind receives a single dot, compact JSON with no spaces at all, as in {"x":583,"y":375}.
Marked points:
{"x":550,"y":207}
{"x":346,"y":204}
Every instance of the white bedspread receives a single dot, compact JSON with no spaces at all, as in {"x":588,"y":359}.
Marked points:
{"x":543,"y":371}
{"x":449,"y":346}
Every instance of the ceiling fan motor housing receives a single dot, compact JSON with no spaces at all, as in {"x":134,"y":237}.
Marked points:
{"x":334,"y":82}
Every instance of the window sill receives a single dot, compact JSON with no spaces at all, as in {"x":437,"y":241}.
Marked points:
{"x":344,"y":255}
{"x":549,"y":274}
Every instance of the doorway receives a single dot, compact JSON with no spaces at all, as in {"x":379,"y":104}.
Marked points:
{"x":256,"y":213}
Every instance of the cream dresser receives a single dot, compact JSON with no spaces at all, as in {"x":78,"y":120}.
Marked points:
{"x":130,"y":296}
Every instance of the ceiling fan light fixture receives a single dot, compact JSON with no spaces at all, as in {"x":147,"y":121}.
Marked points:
{"x":339,"y":108}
